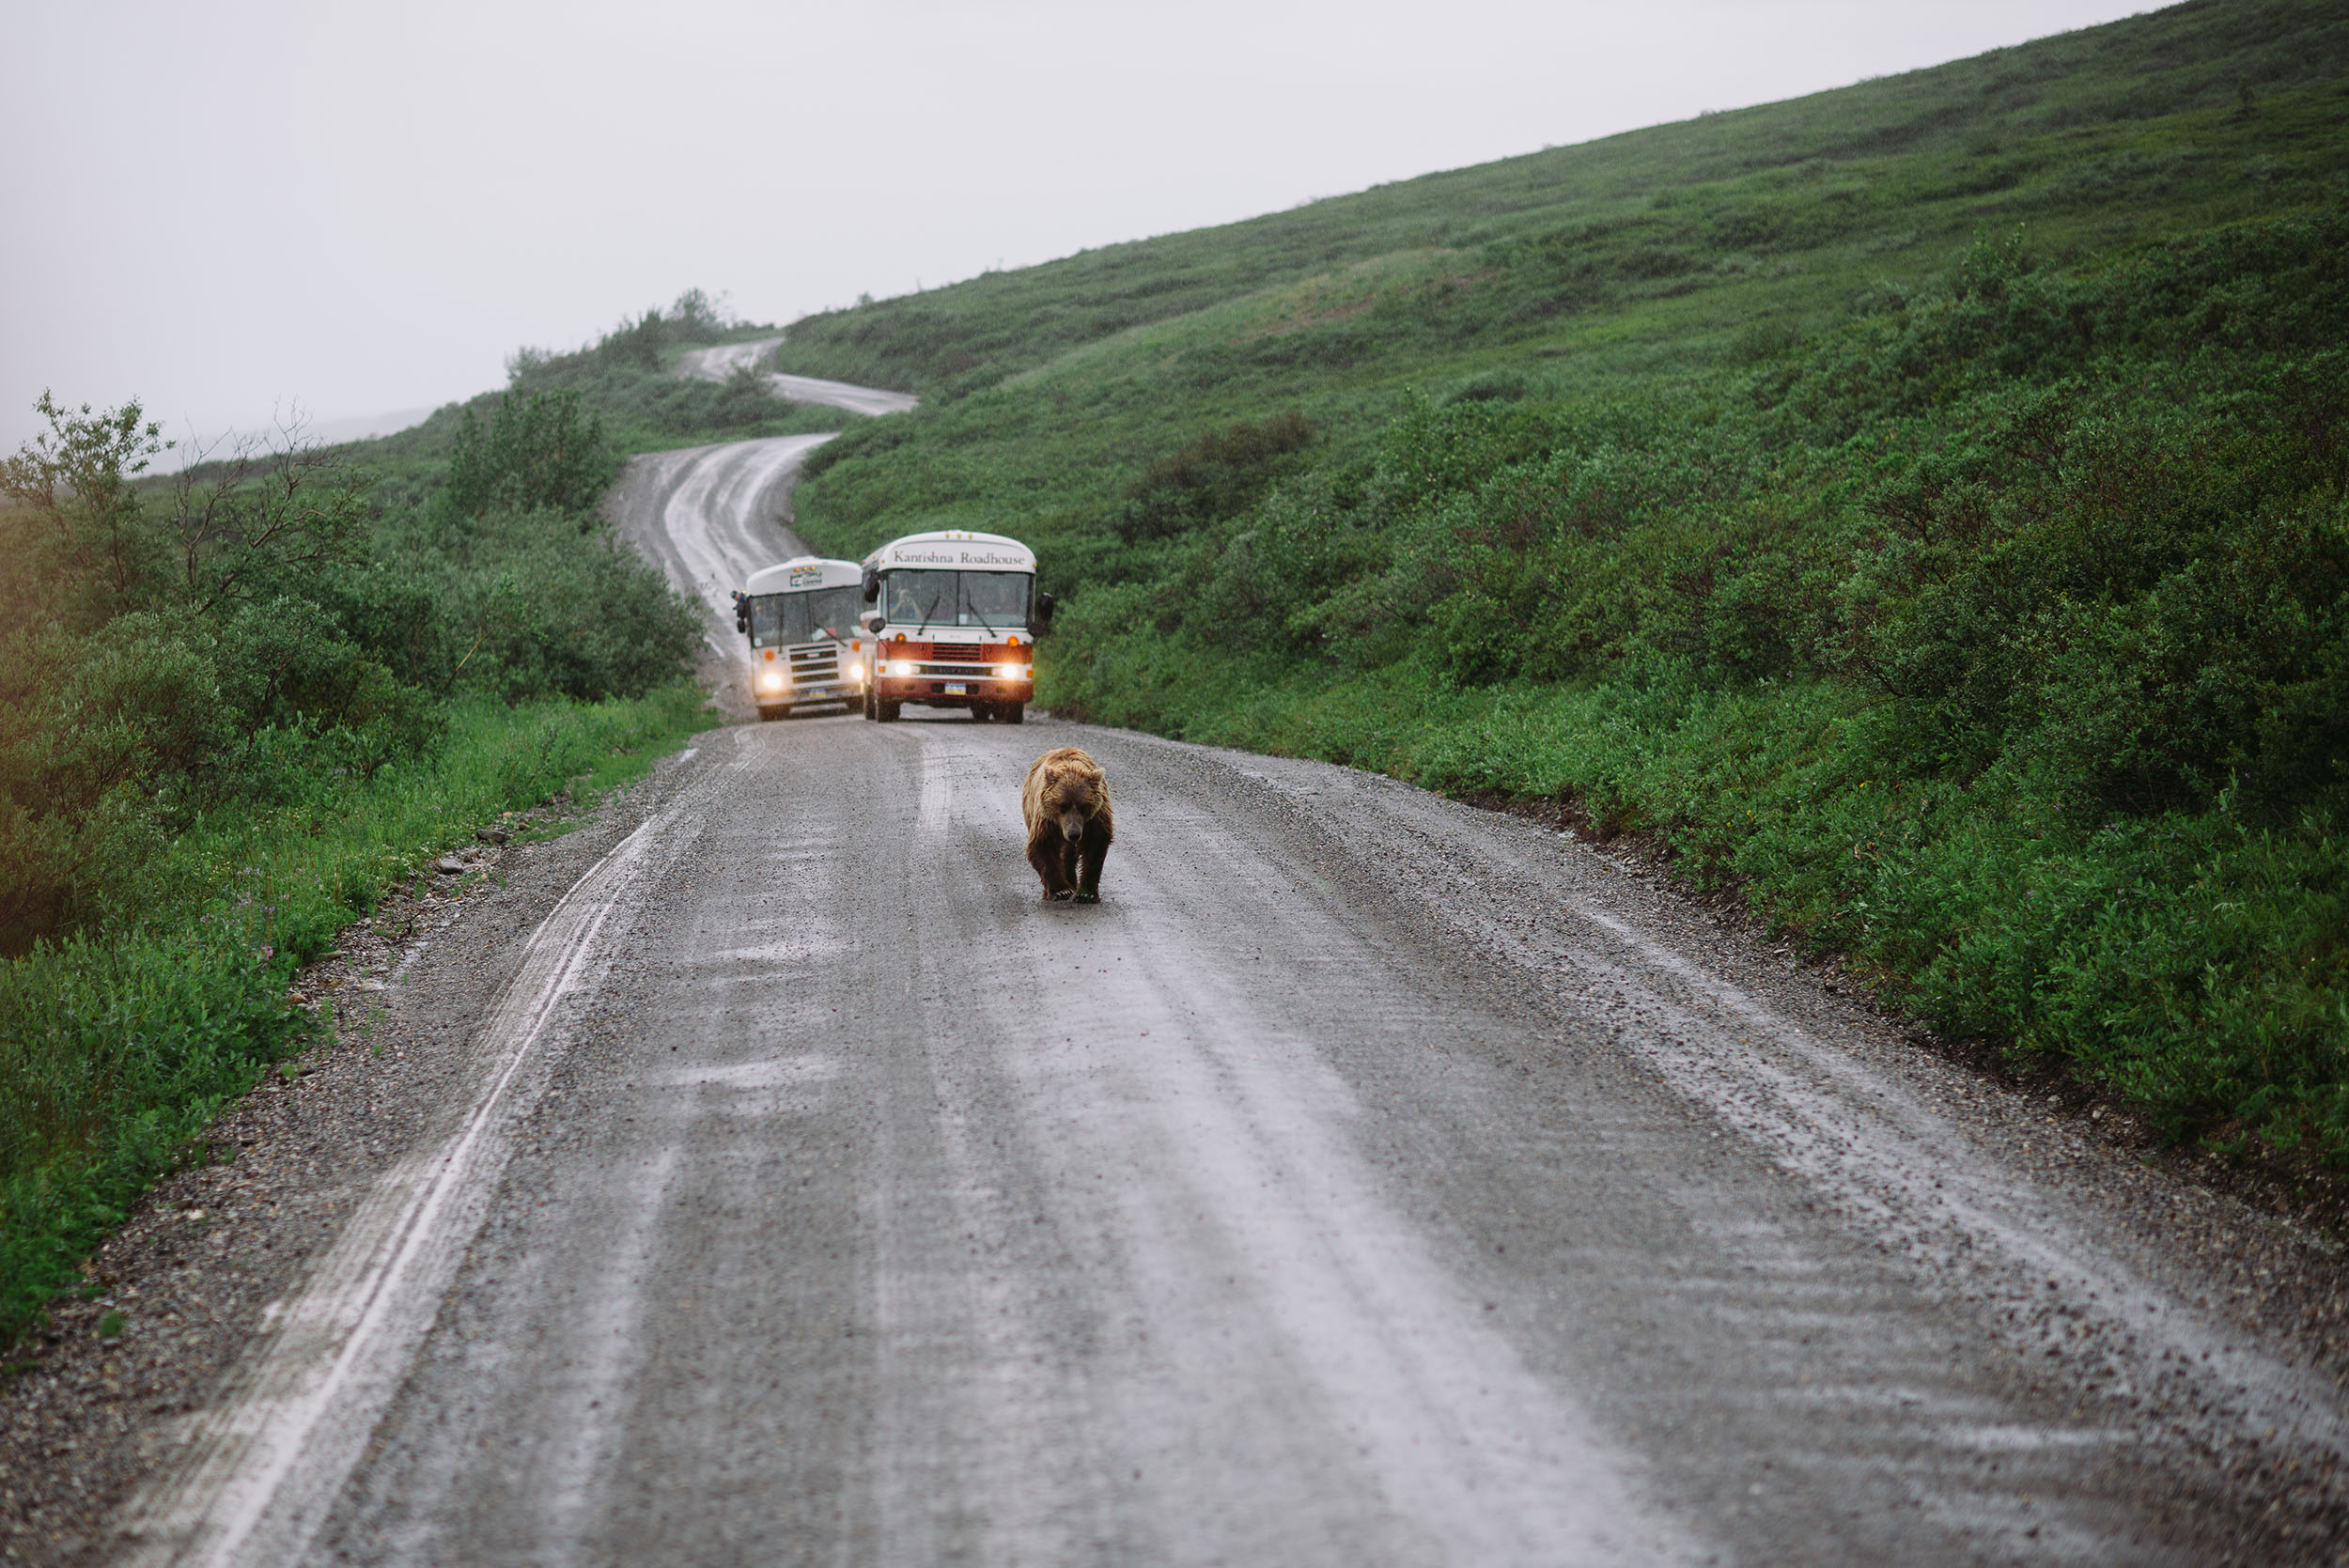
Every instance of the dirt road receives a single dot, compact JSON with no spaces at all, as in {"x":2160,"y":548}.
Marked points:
{"x":1368,"y":1179}
{"x":710,"y":516}
{"x":717,"y":364}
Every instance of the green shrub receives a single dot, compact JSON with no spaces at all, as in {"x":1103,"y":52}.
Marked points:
{"x":542,"y":452}
{"x":549,"y":603}
{"x":1217,"y":476}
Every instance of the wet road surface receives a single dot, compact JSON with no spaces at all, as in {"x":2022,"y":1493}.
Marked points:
{"x":1367,"y":1179}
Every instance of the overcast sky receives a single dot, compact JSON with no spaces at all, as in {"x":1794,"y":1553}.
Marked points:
{"x":228,"y":208}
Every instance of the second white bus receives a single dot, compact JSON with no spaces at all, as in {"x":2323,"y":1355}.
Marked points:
{"x":806,"y":647}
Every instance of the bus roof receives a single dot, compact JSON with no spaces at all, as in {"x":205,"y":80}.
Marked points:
{"x":954,"y":547}
{"x":804,"y":571}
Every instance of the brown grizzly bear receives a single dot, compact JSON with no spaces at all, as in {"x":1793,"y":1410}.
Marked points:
{"x":1066,"y":802}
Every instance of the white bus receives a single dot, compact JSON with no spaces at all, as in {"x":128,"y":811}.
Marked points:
{"x":954,"y":622}
{"x":805,"y":646}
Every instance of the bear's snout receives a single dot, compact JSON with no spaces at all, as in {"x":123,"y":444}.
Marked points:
{"x":1072,"y":824}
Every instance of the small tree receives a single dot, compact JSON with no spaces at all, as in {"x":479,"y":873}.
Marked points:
{"x":77,"y":476}
{"x":697,"y":318}
{"x":266,"y":512}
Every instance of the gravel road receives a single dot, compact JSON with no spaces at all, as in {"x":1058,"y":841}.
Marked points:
{"x":709,"y":517}
{"x":1369,"y":1179}
{"x":716,"y":364}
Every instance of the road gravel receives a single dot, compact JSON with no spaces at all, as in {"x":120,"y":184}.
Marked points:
{"x":1368,"y":1179}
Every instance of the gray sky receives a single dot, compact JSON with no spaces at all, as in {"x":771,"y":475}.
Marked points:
{"x":227,"y":209}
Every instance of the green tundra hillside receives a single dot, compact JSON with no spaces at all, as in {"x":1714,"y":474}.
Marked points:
{"x":1920,"y":506}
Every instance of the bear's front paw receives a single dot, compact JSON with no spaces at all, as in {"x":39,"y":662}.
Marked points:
{"x":1062,"y":896}
{"x":1088,"y":898}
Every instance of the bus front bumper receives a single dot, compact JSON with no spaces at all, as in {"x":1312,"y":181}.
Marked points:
{"x":813,"y":692}
{"x":952,"y":688}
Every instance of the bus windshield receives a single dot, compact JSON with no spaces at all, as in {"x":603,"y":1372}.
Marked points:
{"x":988,"y":600}
{"x":807,"y":616}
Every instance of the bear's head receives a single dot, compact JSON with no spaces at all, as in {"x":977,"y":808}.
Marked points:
{"x":1069,"y":798}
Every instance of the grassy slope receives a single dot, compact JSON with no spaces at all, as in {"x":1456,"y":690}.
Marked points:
{"x":1657,"y":251}
{"x":1892,"y":171}
{"x":2180,"y":957}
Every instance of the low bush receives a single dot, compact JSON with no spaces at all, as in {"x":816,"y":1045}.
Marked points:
{"x":1219,"y":475}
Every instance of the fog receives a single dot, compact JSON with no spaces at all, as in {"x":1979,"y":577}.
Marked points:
{"x":238,"y":211}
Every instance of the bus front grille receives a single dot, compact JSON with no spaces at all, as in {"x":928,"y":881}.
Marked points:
{"x":955,"y":650}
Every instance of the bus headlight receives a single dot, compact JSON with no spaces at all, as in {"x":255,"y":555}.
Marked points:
{"x":1011,"y":671}
{"x":770,"y":680}
{"x":899,"y":667}
{"x":856,"y":669}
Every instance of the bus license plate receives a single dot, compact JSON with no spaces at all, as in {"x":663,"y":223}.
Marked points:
{"x":955,"y":689}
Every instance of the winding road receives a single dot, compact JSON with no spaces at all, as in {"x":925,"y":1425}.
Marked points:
{"x":710,"y":516}
{"x":717,"y":364}
{"x":1367,"y":1180}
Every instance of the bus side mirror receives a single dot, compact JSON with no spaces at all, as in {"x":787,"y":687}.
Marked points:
{"x":872,"y":584}
{"x":743,"y":612}
{"x":1042,"y":619}
{"x":872,"y":621}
